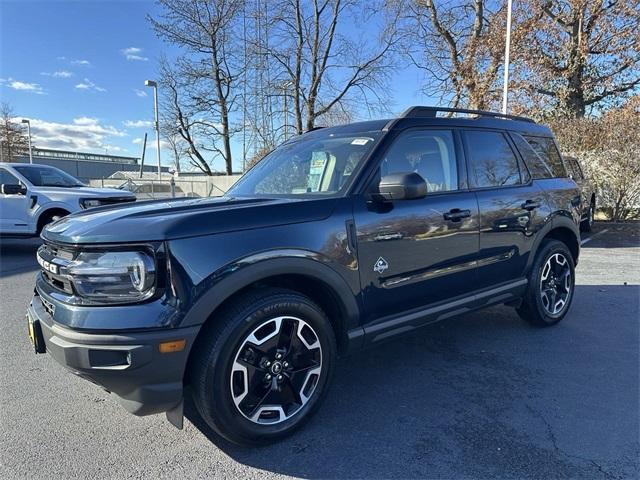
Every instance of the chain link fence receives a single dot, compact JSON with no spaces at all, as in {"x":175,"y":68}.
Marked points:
{"x":148,"y":189}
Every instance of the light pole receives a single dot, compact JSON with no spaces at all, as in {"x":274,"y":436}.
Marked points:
{"x":24,"y":120}
{"x":285,"y":87}
{"x":505,"y":88}
{"x":151,"y":83}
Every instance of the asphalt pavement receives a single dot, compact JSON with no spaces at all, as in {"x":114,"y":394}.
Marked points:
{"x":481,"y":396}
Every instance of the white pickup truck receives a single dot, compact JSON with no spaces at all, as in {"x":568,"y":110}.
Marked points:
{"x":31,"y":196}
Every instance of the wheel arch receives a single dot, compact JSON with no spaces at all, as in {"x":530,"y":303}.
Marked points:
{"x":562,"y":229}
{"x":47,"y":213}
{"x":309,"y":277}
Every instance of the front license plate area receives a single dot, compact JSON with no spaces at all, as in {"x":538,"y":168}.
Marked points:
{"x":35,"y":335}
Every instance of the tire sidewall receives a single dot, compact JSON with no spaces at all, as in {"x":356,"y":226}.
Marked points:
{"x":219,"y":406}
{"x":549,"y":249}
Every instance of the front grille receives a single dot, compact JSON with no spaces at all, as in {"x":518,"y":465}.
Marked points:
{"x":53,"y":261}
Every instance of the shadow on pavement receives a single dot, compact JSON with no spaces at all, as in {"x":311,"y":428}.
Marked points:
{"x":485,"y":395}
{"x":613,"y":235}
{"x":18,"y":255}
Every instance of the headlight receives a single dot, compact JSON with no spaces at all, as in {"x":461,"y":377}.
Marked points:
{"x":90,"y":202}
{"x":113,"y":277}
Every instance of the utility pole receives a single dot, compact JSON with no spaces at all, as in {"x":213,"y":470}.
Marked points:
{"x":24,"y":120}
{"x":144,"y":149}
{"x":151,"y":83}
{"x":505,"y":88}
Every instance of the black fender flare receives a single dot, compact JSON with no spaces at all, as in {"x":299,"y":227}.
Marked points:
{"x":555,"y":222}
{"x":246,"y":271}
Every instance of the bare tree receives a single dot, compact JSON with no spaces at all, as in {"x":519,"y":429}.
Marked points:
{"x":459,"y":46}
{"x":177,"y":123}
{"x":608,"y":146}
{"x":13,"y":140}
{"x":327,"y":69}
{"x":579,"y":54}
{"x":206,"y":30}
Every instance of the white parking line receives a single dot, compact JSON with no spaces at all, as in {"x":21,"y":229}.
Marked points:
{"x":593,"y":236}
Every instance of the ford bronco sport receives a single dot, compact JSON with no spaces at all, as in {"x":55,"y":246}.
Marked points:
{"x":339,"y":239}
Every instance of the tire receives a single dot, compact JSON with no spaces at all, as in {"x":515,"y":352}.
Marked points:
{"x":230,"y":374}
{"x":540,"y":307}
{"x":47,"y":219}
{"x":587,"y":223}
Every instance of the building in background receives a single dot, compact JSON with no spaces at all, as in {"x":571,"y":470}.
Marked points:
{"x":85,"y":166}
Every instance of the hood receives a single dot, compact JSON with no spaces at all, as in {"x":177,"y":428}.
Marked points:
{"x":180,"y":218}
{"x":85,"y":192}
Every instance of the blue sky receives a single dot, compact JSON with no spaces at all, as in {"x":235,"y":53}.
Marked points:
{"x":77,"y":70}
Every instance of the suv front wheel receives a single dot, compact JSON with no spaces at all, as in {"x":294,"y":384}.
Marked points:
{"x":263,"y":366}
{"x":551,"y":285}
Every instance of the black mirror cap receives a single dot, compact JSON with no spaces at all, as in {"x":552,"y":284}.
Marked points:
{"x":402,"y":186}
{"x":10,"y":189}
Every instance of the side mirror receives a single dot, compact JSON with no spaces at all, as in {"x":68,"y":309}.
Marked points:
{"x":401,"y":186}
{"x":10,"y":189}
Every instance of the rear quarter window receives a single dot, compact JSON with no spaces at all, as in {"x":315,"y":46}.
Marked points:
{"x":535,"y":163}
{"x":546,"y":148}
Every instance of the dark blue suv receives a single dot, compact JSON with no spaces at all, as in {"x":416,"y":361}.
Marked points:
{"x":339,"y":239}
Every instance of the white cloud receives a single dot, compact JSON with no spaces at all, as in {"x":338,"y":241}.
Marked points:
{"x":58,"y":74}
{"x":140,"y":93}
{"x":85,"y":121}
{"x":83,"y":134}
{"x":79,"y":62}
{"x":151,"y":143}
{"x":89,"y":85}
{"x":137,"y":123}
{"x":133,"y":54}
{"x":30,"y":87}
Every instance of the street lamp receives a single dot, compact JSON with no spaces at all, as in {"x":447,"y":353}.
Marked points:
{"x":24,"y":120}
{"x":151,"y":83}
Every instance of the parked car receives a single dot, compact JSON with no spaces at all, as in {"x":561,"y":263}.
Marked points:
{"x":340,"y":238}
{"x":587,"y":192}
{"x":32,"y":196}
{"x":152,"y":190}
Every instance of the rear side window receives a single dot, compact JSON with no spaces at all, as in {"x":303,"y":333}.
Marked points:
{"x":574,"y":168}
{"x":536,"y":165}
{"x":492,"y":162}
{"x":546,"y":148}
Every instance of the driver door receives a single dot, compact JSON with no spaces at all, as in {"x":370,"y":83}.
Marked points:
{"x":14,"y":216}
{"x":420,"y":252}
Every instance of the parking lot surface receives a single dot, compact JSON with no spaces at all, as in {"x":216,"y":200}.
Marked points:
{"x":481,"y":396}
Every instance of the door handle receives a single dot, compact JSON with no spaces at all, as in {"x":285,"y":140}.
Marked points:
{"x":455,"y":215}
{"x":530,"y":205}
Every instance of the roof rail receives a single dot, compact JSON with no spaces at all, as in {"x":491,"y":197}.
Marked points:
{"x":432,"y":112}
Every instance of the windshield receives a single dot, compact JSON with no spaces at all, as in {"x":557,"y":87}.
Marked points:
{"x":43,"y":176}
{"x":317,"y":165}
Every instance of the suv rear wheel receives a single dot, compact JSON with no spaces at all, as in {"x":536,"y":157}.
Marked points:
{"x":587,"y":223}
{"x":551,"y":285}
{"x":264,"y":366}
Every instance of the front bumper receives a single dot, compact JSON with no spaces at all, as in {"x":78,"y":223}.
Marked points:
{"x":128,"y":364}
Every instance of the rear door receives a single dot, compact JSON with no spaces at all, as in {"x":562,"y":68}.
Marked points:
{"x":419,"y":252}
{"x":512,"y":206}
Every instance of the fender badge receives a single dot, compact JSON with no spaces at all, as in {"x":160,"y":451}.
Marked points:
{"x":380,"y":266}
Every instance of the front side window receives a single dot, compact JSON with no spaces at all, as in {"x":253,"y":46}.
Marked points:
{"x":429,"y":153}
{"x":492,"y":162}
{"x":317,"y":165}
{"x":546,"y":148}
{"x":7,"y":178}
{"x":44,"y":176}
